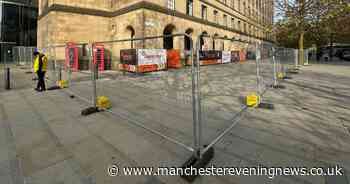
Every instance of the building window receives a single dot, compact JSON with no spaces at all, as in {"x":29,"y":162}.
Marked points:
{"x":239,"y":5}
{"x":232,"y":23}
{"x":225,"y":20}
{"x":189,"y":7}
{"x":216,"y":18}
{"x":239,"y":26}
{"x":244,"y":8}
{"x":204,"y":12}
{"x":171,"y":4}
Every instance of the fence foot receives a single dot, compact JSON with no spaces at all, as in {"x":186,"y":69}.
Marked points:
{"x":263,"y":105}
{"x":89,"y":110}
{"x":293,"y":71}
{"x":197,"y":163}
{"x":53,"y":88}
{"x":278,"y":86}
{"x":287,"y":77}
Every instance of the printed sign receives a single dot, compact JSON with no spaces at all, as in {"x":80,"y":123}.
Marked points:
{"x":151,"y":56}
{"x":226,"y":57}
{"x":209,"y":54}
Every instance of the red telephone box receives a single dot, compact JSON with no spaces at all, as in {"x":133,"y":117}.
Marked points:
{"x":98,"y":54}
{"x":72,"y":56}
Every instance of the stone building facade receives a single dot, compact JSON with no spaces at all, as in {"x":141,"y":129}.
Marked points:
{"x":62,"y":21}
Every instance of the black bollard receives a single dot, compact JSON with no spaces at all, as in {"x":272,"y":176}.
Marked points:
{"x":96,"y":71}
{"x":7,"y":79}
{"x":60,"y":73}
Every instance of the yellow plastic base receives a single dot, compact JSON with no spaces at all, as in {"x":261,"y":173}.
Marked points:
{"x":103,"y":102}
{"x":253,"y":100}
{"x":62,"y":84}
{"x":280,"y":75}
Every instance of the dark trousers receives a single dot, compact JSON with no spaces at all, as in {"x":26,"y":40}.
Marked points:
{"x":41,"y":81}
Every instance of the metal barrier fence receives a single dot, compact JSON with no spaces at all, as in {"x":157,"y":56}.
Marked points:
{"x":7,"y":78}
{"x":306,"y":56}
{"x":99,"y":81}
{"x":23,"y":55}
{"x":187,"y":103}
{"x":63,"y":69}
{"x":224,"y":82}
{"x":287,"y":59}
{"x":267,"y":67}
{"x":159,"y":102}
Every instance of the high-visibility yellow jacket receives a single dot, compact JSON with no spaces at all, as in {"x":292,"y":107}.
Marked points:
{"x":40,"y":63}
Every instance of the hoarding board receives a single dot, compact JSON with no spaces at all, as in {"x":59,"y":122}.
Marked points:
{"x":234,"y":56}
{"x":128,"y":56}
{"x":209,"y":55}
{"x":226,"y":57}
{"x":152,"y":56}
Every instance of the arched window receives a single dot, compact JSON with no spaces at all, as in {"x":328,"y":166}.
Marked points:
{"x":202,"y":40}
{"x":223,"y":42}
{"x":131,"y":31}
{"x":214,"y":40}
{"x":168,"y":41}
{"x":188,"y":39}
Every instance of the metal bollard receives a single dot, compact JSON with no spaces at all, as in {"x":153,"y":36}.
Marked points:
{"x":96,"y":71}
{"x":7,"y":79}
{"x":60,"y":73}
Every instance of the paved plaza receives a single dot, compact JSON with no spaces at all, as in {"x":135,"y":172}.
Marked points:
{"x":45,"y":140}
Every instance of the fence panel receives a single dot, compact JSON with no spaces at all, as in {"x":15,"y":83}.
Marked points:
{"x":267,"y":67}
{"x":151,"y":87}
{"x":287,"y":59}
{"x":68,"y":68}
{"x":23,"y":55}
{"x":224,"y":86}
{"x":12,"y":76}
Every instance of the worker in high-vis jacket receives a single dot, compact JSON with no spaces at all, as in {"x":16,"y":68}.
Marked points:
{"x":40,"y":65}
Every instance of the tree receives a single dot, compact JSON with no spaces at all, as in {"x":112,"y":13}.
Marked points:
{"x":318,"y":20}
{"x":296,"y":14}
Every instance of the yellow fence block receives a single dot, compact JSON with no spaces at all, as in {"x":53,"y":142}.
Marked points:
{"x":253,"y":100}
{"x":103,"y":102}
{"x":62,"y":84}
{"x":280,"y":75}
